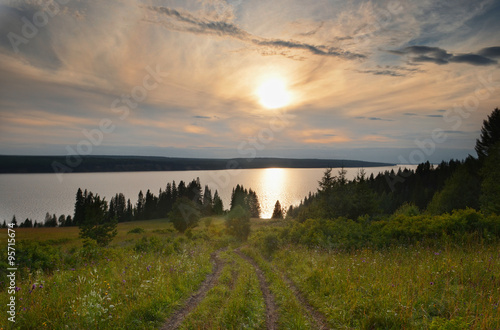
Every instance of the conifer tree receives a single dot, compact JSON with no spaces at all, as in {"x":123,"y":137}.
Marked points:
{"x":278,"y":211}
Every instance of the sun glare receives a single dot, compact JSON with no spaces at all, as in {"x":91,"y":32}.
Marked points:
{"x":273,"y":94}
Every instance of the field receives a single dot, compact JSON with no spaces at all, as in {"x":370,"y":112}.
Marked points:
{"x":152,"y":277}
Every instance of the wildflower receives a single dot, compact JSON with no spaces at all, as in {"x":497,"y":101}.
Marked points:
{"x":111,"y":306}
{"x":432,"y":283}
{"x":41,"y":286}
{"x":33,"y":287}
{"x":18,"y":288}
{"x":123,"y":281}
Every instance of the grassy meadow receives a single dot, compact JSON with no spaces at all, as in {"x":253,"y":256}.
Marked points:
{"x":149,"y":271}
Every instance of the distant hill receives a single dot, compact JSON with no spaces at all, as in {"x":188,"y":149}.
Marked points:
{"x":77,"y":164}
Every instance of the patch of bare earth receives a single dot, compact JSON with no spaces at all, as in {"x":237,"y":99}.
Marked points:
{"x":190,"y":304}
{"x":271,"y":310}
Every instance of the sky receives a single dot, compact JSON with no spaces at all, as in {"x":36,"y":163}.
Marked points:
{"x":392,"y":81}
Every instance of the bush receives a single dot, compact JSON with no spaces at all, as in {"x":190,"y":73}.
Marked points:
{"x":185,"y":214}
{"x":36,"y":255}
{"x":137,"y":230}
{"x":269,"y":244}
{"x":238,"y":223}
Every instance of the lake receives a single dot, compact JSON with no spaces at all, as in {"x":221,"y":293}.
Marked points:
{"x":32,"y":195}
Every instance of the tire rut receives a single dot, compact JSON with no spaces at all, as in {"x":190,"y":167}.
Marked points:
{"x":174,"y":321}
{"x":271,"y":310}
{"x":317,"y":316}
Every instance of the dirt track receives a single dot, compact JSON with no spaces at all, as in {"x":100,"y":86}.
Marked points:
{"x":176,"y":319}
{"x":271,"y":310}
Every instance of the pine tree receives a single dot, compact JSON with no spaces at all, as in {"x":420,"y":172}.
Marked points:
{"x":218,"y":207}
{"x":207,"y":202}
{"x":79,"y":207}
{"x":278,"y":211}
{"x":139,"y":208}
{"x":97,"y":225}
{"x":490,"y":134}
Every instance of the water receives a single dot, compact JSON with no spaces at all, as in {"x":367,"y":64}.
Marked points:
{"x":32,"y":195}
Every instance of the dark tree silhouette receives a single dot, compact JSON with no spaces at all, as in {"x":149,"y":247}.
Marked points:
{"x":490,"y":134}
{"x":207,"y":202}
{"x":278,"y":211}
{"x":218,"y":207}
{"x":97,"y":226}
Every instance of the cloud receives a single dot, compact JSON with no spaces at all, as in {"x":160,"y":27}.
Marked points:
{"x":186,"y":22}
{"x":490,"y":52}
{"x":373,"y":118}
{"x":435,"y":116}
{"x":202,"y":117}
{"x":393,"y":71}
{"x":440,"y":56}
{"x":473,"y":59}
{"x":409,"y":114}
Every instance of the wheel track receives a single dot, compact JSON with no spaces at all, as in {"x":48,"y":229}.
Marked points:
{"x":317,"y":316}
{"x":190,"y":304}
{"x":271,"y":310}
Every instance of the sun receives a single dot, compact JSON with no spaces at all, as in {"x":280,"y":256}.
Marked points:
{"x":273,"y":94}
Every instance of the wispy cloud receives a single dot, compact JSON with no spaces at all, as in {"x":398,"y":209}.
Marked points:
{"x":440,"y":56}
{"x":373,"y":118}
{"x":184,"y":21}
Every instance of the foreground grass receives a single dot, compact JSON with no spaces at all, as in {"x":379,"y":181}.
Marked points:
{"x":412,"y":288}
{"x":149,"y":270}
{"x":134,"y":286}
{"x":235,"y":302}
{"x":291,"y":314}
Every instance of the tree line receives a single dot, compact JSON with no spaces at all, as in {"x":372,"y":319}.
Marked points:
{"x":454,"y":185}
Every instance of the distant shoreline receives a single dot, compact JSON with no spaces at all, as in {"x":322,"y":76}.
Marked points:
{"x":96,"y":164}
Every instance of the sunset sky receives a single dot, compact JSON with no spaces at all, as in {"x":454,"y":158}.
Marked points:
{"x":367,"y":80}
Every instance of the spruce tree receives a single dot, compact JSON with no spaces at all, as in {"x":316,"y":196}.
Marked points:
{"x":218,"y":207}
{"x":278,"y":211}
{"x":97,"y":225}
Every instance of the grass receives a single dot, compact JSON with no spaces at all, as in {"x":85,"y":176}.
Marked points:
{"x":412,"y":288}
{"x":291,"y":314}
{"x":149,"y":270}
{"x":133,"y":286}
{"x":236,"y":300}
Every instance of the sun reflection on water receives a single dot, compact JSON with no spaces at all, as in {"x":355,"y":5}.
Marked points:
{"x":273,"y":181}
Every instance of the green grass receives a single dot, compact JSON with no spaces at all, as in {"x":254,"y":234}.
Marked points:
{"x":291,"y":314}
{"x":234,"y":302}
{"x":412,"y":288}
{"x":145,"y":275}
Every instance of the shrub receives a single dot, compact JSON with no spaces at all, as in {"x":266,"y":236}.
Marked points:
{"x":238,"y":223}
{"x":185,"y":214}
{"x":137,"y":230}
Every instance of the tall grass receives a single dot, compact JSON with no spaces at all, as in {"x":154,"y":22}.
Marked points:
{"x":136,"y":286}
{"x":235,"y":302}
{"x":400,"y":287}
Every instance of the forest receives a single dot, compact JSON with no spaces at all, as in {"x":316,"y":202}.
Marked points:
{"x":431,"y":195}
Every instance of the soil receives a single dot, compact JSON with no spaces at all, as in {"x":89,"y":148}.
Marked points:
{"x":190,"y":304}
{"x":271,"y":310}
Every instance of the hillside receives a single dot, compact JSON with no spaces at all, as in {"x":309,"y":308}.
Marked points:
{"x":49,"y":164}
